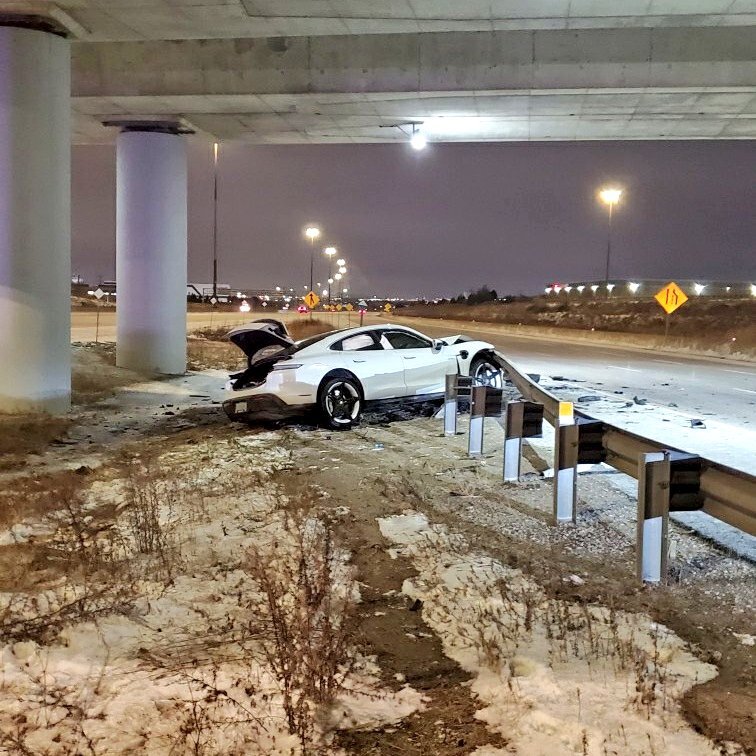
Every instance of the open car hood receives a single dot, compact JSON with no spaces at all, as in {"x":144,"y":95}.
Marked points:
{"x":269,"y":335}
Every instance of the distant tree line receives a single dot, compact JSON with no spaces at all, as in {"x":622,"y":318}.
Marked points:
{"x":479,"y":296}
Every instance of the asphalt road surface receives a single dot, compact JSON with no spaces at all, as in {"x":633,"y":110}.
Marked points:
{"x":725,"y":388}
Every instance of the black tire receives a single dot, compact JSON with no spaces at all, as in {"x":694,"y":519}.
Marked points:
{"x":340,"y":403}
{"x":485,"y":372}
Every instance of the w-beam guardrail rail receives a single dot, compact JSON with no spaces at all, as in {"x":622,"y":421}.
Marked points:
{"x":669,"y":479}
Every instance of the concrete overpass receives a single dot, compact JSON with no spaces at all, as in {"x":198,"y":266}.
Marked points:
{"x":307,"y":71}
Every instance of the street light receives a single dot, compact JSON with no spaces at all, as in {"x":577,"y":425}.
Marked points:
{"x":418,"y":140}
{"x":215,"y":221}
{"x":609,"y":196}
{"x":330,"y":252}
{"x":312,"y":233}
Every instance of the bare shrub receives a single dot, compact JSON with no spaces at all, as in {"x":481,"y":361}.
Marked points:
{"x":307,"y":609}
{"x":93,"y":574}
{"x":151,"y":511}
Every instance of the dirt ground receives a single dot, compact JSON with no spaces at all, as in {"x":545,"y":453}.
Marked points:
{"x":391,"y":465}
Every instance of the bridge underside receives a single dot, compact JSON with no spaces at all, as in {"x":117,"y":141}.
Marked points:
{"x":629,"y":83}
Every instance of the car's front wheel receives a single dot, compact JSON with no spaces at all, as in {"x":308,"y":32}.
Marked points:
{"x":485,"y":372}
{"x":340,"y":403}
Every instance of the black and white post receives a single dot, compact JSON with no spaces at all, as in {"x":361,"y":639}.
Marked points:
{"x":477,"y":419}
{"x":513,"y":423}
{"x":450,"y":405}
{"x":654,"y":477}
{"x":565,"y":465}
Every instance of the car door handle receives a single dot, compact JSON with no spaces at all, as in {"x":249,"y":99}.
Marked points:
{"x":410,"y":358}
{"x":359,"y":360}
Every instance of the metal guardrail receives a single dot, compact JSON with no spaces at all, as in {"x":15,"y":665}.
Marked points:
{"x":728,"y":494}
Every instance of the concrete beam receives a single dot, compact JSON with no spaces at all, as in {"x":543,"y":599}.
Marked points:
{"x":429,"y":62}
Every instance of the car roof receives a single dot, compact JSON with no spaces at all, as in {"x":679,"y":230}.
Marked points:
{"x":334,"y":336}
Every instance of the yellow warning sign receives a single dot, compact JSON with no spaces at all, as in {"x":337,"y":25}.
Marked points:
{"x":338,"y":307}
{"x":387,"y":307}
{"x":671,"y":297}
{"x":350,"y":306}
{"x":311,"y":300}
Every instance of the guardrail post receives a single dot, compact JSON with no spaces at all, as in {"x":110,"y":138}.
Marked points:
{"x":654,"y":476}
{"x":565,"y":465}
{"x":477,"y":418}
{"x":513,"y":422}
{"x":450,"y":405}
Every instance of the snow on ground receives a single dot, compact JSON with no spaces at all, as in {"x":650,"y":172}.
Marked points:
{"x":552,"y":676}
{"x":699,"y":434}
{"x":181,"y":665}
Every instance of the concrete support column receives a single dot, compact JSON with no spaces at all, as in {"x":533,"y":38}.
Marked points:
{"x":35,"y":225}
{"x":151,"y":244}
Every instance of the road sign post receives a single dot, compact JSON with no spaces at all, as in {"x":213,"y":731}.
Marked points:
{"x":670,"y":297}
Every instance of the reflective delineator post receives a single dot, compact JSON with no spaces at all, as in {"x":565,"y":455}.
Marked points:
{"x":450,"y":405}
{"x":565,"y":465}
{"x":477,"y":418}
{"x":513,"y":422}
{"x":654,"y":476}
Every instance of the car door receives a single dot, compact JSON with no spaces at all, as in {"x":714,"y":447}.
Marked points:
{"x":424,"y":370}
{"x":380,"y":371}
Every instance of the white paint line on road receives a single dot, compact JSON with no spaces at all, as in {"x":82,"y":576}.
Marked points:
{"x":619,"y":367}
{"x":670,"y":362}
{"x":746,"y":391}
{"x":740,"y":372}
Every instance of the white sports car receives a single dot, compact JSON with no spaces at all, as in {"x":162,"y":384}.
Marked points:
{"x":338,"y":373}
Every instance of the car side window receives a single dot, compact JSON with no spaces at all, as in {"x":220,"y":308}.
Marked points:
{"x":357,"y":343}
{"x":404,"y":340}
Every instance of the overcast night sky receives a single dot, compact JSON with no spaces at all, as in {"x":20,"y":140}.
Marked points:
{"x":456,"y":216}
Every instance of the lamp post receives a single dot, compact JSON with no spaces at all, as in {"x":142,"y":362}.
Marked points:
{"x":329,"y":252}
{"x":215,"y":222}
{"x":609,"y":196}
{"x":312,"y":233}
{"x":341,"y":262}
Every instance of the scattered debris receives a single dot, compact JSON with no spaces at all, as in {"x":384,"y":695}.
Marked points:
{"x":589,"y":398}
{"x":697,"y":423}
{"x":639,"y":400}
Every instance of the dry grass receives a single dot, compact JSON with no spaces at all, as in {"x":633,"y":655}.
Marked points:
{"x":28,"y":434}
{"x":209,"y":347}
{"x":700,"y":321}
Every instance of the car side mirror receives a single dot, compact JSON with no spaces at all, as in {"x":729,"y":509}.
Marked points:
{"x":437,"y":345}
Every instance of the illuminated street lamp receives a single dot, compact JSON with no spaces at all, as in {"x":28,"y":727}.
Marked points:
{"x":418,"y":140}
{"x":610,"y":196}
{"x":312,"y":233}
{"x":330,"y":252}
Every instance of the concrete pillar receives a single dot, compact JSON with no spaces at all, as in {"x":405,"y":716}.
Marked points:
{"x":151,"y":243}
{"x":35,"y":225}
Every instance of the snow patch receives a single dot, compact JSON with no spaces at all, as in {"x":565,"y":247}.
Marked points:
{"x":552,"y":676}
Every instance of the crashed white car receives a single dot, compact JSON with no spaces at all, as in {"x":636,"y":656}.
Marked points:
{"x":337,"y":374}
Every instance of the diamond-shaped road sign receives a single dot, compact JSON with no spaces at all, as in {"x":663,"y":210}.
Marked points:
{"x":311,"y":299}
{"x":671,"y":297}
{"x":99,"y":293}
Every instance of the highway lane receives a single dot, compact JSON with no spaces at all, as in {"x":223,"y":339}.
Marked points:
{"x":697,"y":385}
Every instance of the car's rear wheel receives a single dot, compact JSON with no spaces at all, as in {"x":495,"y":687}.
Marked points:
{"x":340,"y":403}
{"x":485,"y":372}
